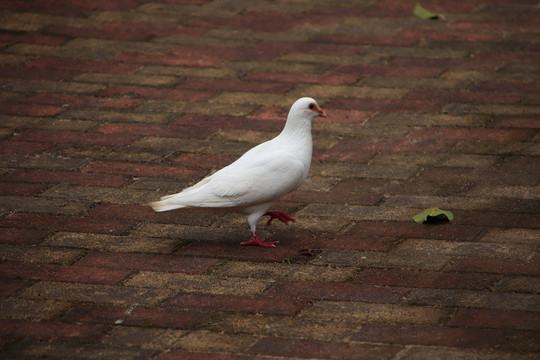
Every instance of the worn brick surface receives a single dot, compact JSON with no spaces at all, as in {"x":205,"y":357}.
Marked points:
{"x":106,"y":106}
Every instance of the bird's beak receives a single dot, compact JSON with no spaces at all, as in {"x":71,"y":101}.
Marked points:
{"x":321,"y":112}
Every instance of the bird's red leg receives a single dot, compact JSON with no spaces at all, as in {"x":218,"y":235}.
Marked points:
{"x":284,"y":218}
{"x":256,"y":241}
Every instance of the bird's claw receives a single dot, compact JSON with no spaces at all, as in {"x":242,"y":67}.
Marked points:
{"x":256,"y":241}
{"x":284,"y":218}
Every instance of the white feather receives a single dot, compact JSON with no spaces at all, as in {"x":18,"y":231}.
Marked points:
{"x":260,"y":176}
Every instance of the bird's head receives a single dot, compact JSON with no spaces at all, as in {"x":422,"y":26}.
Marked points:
{"x":307,"y":107}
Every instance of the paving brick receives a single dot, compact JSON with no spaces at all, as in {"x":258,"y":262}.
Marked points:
{"x":440,"y":353}
{"x":133,"y":169}
{"x":446,"y":336}
{"x":106,"y":106}
{"x":21,"y":236}
{"x":236,"y":303}
{"x":75,"y":137}
{"x":28,"y":309}
{"x":59,"y":350}
{"x":29,"y":109}
{"x":198,"y":283}
{"x":39,"y":254}
{"x":9,"y":286}
{"x":50,"y":176}
{"x":290,"y":348}
{"x":49,"y":330}
{"x":496,"y":266}
{"x":283,"y":272}
{"x":82,"y":101}
{"x":372,"y":312}
{"x":51,"y":272}
{"x":335,"y":292}
{"x":102,"y":294}
{"x":146,"y":262}
{"x":204,"y":340}
{"x":424,"y":279}
{"x":108,"y":241}
{"x":476,"y":299}
{"x":83,"y":65}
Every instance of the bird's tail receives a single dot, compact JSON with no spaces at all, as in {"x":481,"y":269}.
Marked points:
{"x":164,"y":205}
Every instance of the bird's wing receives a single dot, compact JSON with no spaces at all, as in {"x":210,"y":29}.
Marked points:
{"x":257,"y":177}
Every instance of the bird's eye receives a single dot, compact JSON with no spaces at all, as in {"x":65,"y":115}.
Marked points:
{"x":311,"y":106}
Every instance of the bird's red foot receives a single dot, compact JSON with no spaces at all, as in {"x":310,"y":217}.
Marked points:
{"x":256,"y":241}
{"x":284,"y":218}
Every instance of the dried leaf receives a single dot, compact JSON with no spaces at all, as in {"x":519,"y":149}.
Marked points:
{"x":433,"y":214}
{"x":425,"y":14}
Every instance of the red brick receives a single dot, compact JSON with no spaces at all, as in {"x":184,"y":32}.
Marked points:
{"x":68,"y":223}
{"x":69,"y":177}
{"x":323,"y":79}
{"x":516,"y":122}
{"x":323,"y":197}
{"x":75,"y":8}
{"x":33,"y":38}
{"x":126,"y":31}
{"x":185,"y":355}
{"x":236,"y":85}
{"x":21,"y":236}
{"x":493,"y":176}
{"x":74,"y":137}
{"x":497,"y":266}
{"x":203,"y":161}
{"x":236,"y":303}
{"x":369,"y":40}
{"x":386,"y":105}
{"x":466,"y":96}
{"x":336,"y":291}
{"x":156,"y":130}
{"x":508,"y":86}
{"x":34,"y":221}
{"x":439,"y":336}
{"x":346,"y":150}
{"x":10,"y":286}
{"x":410,"y":229}
{"x":64,"y":100}
{"x":182,"y":319}
{"x":321,"y":349}
{"x":231,"y":122}
{"x":424,"y":279}
{"x":21,"y":189}
{"x":82,"y":65}
{"x":22,"y":147}
{"x":450,"y":35}
{"x":158,"y":93}
{"x":95,"y":314}
{"x":230,"y":248}
{"x":100,"y":226}
{"x":34,"y":73}
{"x":178,"y":59}
{"x":49,"y":330}
{"x":145,"y":262}
{"x":139,"y":169}
{"x":51,"y":272}
{"x":391,"y":71}
{"x":196,"y":217}
{"x":29,"y":109}
{"x":498,"y":218}
{"x":497,"y":319}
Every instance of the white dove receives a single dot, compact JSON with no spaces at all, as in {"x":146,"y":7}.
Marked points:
{"x":259,"y":177}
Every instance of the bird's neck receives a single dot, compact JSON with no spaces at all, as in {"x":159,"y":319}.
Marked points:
{"x":297,"y":129}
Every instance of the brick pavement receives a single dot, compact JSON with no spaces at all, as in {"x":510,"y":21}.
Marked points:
{"x":106,"y":105}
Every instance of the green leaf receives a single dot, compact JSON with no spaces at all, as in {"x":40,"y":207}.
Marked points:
{"x":433,"y":214}
{"x":425,"y":14}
